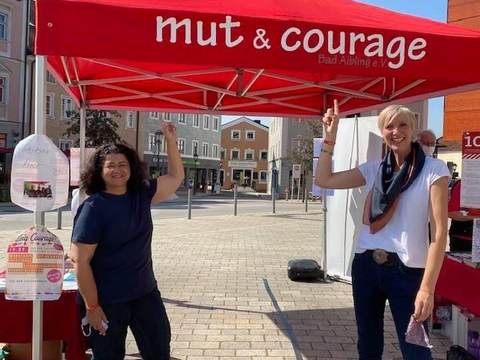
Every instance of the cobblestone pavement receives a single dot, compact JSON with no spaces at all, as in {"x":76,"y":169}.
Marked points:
{"x":224,"y":282}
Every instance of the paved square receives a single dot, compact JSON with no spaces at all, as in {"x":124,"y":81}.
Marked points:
{"x":224,"y":282}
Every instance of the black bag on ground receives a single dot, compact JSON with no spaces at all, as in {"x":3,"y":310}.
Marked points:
{"x":458,"y":353}
{"x":304,"y":269}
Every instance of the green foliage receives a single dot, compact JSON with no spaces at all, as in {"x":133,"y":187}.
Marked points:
{"x":101,"y":128}
{"x":303,"y":154}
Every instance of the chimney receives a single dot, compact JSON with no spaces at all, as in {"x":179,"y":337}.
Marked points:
{"x":258,"y":121}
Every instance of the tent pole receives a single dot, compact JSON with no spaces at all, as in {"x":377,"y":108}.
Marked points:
{"x":37,"y":326}
{"x":325,"y":210}
{"x":82,"y":141}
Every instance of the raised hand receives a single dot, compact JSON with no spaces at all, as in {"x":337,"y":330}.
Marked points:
{"x":169,"y":131}
{"x":330,"y":119}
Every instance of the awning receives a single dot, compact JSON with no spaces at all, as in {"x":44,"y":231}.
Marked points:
{"x":267,"y":57}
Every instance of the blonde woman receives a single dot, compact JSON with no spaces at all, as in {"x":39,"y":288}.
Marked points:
{"x":393,"y":258}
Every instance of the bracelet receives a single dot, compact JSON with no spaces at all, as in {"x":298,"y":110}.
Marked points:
{"x":329,"y":142}
{"x":96,"y":306}
{"x":327,"y":152}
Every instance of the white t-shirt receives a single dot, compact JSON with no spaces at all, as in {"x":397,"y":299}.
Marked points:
{"x":407,"y":231}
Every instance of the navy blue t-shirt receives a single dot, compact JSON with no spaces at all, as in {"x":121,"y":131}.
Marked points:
{"x":121,"y":226}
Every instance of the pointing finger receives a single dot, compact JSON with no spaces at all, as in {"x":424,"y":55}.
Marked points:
{"x":336,"y":109}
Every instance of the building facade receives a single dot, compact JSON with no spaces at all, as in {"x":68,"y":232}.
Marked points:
{"x":244,"y":154}
{"x":198,"y":142}
{"x":13,"y":54}
{"x":461,"y":111}
{"x":285,"y":134}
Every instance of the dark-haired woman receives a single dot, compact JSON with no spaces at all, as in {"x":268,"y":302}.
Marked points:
{"x":393,"y":258}
{"x":111,"y":251}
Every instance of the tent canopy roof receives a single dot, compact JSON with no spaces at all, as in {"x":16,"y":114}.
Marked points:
{"x":267,"y":57}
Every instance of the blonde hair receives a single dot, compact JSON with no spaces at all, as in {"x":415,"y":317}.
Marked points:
{"x":392,"y":111}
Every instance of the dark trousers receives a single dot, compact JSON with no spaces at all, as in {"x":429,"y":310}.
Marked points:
{"x":148,"y":322}
{"x":373,"y":284}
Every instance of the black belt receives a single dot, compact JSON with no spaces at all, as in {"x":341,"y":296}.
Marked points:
{"x":384,"y":258}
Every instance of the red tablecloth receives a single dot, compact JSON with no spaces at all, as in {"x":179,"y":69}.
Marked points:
{"x":61,"y":321}
{"x":460,"y":284}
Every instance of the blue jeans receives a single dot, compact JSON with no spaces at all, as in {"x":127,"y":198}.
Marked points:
{"x":373,"y":284}
{"x":148,"y":321}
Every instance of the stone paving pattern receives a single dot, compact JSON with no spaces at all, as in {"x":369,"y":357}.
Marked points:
{"x":213,"y":274}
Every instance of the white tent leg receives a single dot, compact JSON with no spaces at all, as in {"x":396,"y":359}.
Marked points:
{"x":37,"y":328}
{"x":83,"y":124}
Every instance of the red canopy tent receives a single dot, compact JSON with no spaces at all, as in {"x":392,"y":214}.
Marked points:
{"x":266,"y":57}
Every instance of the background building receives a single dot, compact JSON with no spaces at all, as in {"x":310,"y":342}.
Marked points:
{"x":462,"y":111}
{"x":245,"y":154}
{"x":13,"y":54}
{"x":198,"y":134}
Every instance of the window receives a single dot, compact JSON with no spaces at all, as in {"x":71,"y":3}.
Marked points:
{"x":167,"y":117}
{"x":235,"y":135}
{"x":3,"y":82}
{"x":67,"y":107}
{"x":255,"y":175}
{"x":249,"y":154}
{"x":222,"y":154}
{"x":263,"y":177}
{"x":50,"y":78}
{"x":3,"y":141}
{"x":65,"y":144}
{"x":151,"y":143}
{"x":214,"y":151}
{"x":182,"y":119}
{"x":205,"y":149}
{"x":250,"y":135}
{"x":216,"y":123}
{"x":206,"y":122}
{"x":195,"y":147}
{"x":154,"y":115}
{"x":3,"y":26}
{"x":234,"y":154}
{"x":49,"y":105}
{"x":181,"y":145}
{"x":196,"y":120}
{"x":130,"y":121}
{"x":263,"y":155}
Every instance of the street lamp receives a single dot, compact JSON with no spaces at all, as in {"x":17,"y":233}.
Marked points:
{"x":454,"y":173}
{"x":158,"y":143}
{"x":195,"y":158}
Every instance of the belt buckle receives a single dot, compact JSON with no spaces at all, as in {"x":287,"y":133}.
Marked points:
{"x":380,"y":256}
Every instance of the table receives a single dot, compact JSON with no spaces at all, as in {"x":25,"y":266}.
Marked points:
{"x":459,"y":283}
{"x":61,"y":321}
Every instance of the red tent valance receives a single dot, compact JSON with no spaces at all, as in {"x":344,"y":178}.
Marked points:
{"x":267,"y":57}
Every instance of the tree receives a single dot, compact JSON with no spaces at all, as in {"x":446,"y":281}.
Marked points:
{"x":303,"y":153}
{"x":100,"y":127}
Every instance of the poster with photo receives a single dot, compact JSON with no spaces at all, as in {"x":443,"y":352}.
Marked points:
{"x":40,"y":172}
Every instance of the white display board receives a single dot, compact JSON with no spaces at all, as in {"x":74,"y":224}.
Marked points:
{"x":75,"y":164}
{"x":358,"y":140}
{"x":39,"y":175}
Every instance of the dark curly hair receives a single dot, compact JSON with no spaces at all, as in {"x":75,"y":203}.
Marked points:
{"x":91,"y":181}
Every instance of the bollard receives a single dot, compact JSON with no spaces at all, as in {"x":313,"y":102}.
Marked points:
{"x":59,"y":219}
{"x":306,"y":199}
{"x":235,"y":196}
{"x":274,"y":195}
{"x":189,"y":204}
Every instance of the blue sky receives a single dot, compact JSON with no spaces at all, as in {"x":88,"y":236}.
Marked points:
{"x":432,"y":9}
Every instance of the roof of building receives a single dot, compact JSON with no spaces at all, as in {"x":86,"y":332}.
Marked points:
{"x":247,"y":120}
